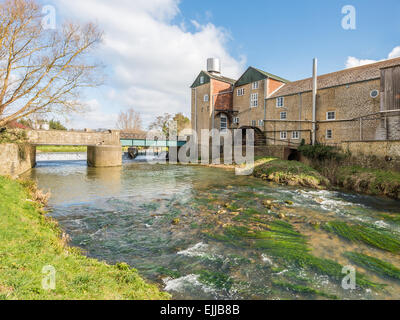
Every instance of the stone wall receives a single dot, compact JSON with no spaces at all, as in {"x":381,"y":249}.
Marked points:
{"x":15,"y":160}
{"x":376,"y":154}
{"x":65,"y":138}
{"x":104,"y":156}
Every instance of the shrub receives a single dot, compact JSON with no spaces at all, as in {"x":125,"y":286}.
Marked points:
{"x":322,"y":152}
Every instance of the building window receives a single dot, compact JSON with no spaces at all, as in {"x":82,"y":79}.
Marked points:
{"x":280,"y":102}
{"x":240,"y":92}
{"x":224,"y":124}
{"x":206,"y":98}
{"x":283,"y":115}
{"x":202,"y":80}
{"x":254,"y":100}
{"x":255,"y":85}
{"x":236,"y":120}
{"x":253,"y":123}
{"x":329,"y":134}
{"x":295,"y":135}
{"x":283,"y":135}
{"x":331,"y":115}
{"x":260,"y":123}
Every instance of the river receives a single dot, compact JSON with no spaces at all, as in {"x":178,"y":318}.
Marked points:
{"x":184,"y":227}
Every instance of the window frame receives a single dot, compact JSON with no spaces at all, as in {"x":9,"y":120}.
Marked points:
{"x":278,"y":100}
{"x":260,"y":123}
{"x":254,"y":102}
{"x":283,"y":133}
{"x":240,"y":92}
{"x":327,"y":137}
{"x":206,"y":98}
{"x":283,"y":113}
{"x":297,"y":137}
{"x":255,"y":85}
{"x":236,"y":120}
{"x":202,"y":79}
{"x":226,"y":123}
{"x":330,"y":112}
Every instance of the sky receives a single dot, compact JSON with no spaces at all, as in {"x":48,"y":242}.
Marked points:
{"x":154,"y":49}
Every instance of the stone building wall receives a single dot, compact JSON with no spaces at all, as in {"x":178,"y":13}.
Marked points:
{"x":242,"y":104}
{"x":347,"y":101}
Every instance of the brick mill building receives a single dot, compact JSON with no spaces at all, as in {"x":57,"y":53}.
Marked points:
{"x":356,"y":104}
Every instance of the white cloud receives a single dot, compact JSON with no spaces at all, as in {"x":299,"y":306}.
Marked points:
{"x":153,"y":60}
{"x":355,"y":62}
{"x":395,"y":53}
{"x":93,"y":117}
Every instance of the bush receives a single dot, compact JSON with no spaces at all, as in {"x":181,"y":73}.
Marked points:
{"x":321,"y":152}
{"x":56,"y":125}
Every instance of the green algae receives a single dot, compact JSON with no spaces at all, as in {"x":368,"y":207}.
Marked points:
{"x":280,"y":240}
{"x":217,"y":280}
{"x":374,"y":264}
{"x":363,"y":233}
{"x":300,"y":289}
{"x":395,"y":218}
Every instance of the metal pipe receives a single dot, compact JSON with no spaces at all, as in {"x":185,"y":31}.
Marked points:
{"x":195,"y":109}
{"x":314,"y":100}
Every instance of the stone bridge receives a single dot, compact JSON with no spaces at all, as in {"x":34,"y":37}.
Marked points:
{"x":73,"y":138}
{"x":104,"y":148}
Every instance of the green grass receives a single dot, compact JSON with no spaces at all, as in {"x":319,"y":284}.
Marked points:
{"x":370,"y":181}
{"x":367,"y":234}
{"x":289,"y":173}
{"x":30,"y":241}
{"x":374,"y":264}
{"x":61,"y":148}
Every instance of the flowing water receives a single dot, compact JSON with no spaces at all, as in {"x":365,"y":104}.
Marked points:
{"x":170,"y":222}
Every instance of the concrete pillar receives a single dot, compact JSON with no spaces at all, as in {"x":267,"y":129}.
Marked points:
{"x":104,"y":156}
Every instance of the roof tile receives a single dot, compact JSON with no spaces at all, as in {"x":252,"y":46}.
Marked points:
{"x":347,"y":76}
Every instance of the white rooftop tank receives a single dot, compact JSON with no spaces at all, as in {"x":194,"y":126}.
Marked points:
{"x":214,"y":65}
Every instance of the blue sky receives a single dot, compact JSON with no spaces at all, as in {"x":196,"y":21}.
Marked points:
{"x":282,"y":37}
{"x":153,"y":49}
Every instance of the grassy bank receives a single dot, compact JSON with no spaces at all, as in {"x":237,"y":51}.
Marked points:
{"x":30,"y":241}
{"x":369,"y":181}
{"x":61,"y":149}
{"x":289,"y":172}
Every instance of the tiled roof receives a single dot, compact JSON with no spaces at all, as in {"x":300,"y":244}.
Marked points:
{"x":220,"y":78}
{"x":270,"y":75}
{"x":347,"y":76}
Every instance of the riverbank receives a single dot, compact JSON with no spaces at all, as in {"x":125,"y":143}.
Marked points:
{"x":30,"y":241}
{"x":51,"y":149}
{"x":330,"y":174}
{"x":327,"y":175}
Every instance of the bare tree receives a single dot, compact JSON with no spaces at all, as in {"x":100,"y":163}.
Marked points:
{"x":162,"y":124}
{"x":43,"y":71}
{"x":129,"y":121}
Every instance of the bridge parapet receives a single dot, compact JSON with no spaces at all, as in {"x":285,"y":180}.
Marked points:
{"x":73,"y":138}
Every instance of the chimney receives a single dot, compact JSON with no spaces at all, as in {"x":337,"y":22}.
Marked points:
{"x":314,"y":102}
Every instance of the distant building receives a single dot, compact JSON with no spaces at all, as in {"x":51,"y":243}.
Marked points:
{"x":361,"y":103}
